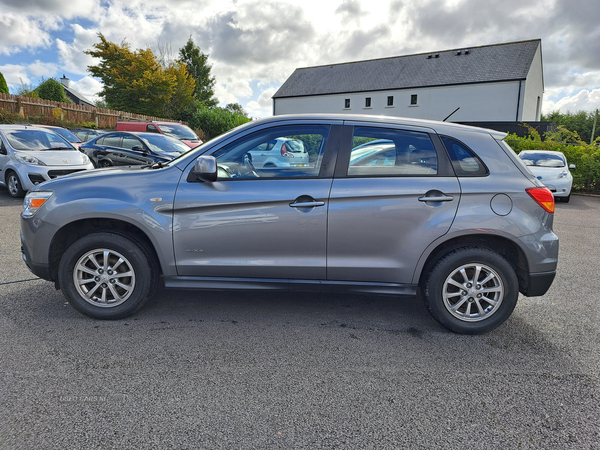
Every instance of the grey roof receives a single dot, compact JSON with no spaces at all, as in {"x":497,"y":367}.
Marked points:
{"x":500,"y":62}
{"x":78,"y":98}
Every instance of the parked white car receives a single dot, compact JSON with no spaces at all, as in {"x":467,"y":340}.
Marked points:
{"x":30,"y":155}
{"x":551,"y":169}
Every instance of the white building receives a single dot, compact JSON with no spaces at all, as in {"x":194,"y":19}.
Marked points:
{"x":502,"y":82}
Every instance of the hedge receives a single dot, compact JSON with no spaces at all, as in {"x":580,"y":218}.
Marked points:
{"x":586,"y":175}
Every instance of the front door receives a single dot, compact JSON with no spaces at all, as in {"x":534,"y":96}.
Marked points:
{"x":253,"y":222}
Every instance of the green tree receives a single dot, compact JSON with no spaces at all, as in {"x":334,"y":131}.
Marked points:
{"x":134,"y":81}
{"x":580,"y":122}
{"x":216,"y":121}
{"x":51,"y":89}
{"x":197,"y":66}
{"x":3,"y":85}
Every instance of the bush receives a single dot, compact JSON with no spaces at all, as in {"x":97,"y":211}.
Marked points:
{"x":51,"y":89}
{"x":216,"y":121}
{"x":586,"y":175}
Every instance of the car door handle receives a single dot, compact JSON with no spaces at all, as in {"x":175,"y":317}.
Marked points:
{"x":306,"y":204}
{"x":440,"y":198}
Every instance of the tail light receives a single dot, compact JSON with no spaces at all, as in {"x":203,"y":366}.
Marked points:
{"x":542,"y":197}
{"x":285,"y":152}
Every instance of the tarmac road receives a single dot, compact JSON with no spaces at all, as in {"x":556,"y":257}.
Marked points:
{"x":212,"y":370}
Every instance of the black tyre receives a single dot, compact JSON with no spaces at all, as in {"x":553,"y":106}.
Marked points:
{"x":107,"y":275}
{"x":14,"y":186}
{"x":471,"y":290}
{"x":565,"y":199}
{"x":105,"y":163}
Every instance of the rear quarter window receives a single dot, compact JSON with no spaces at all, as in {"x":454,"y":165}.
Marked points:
{"x":465,"y":162}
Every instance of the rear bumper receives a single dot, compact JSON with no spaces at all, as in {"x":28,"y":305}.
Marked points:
{"x":538,"y":284}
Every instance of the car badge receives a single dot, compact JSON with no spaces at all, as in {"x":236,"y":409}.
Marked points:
{"x":539,"y":177}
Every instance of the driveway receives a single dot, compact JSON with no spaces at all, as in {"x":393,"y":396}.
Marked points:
{"x":293,"y":370}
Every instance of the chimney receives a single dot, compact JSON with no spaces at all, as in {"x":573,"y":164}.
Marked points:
{"x":64,"y":81}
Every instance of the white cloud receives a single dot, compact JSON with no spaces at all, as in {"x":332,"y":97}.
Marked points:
{"x":17,"y":32}
{"x":87,"y":86}
{"x":584,"y":100}
{"x":261,"y":42}
{"x":263,"y":107}
{"x":14,"y":75}
{"x":41,"y":69}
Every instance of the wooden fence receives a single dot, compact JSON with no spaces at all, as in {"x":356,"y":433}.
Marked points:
{"x":104,"y":118}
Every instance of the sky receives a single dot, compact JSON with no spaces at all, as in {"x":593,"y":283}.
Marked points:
{"x":255,"y":45}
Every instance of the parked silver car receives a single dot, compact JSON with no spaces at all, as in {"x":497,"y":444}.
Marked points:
{"x":451,"y":213}
{"x":30,"y":155}
{"x":280,"y":152}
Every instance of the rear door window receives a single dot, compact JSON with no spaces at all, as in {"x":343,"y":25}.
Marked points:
{"x":391,"y":152}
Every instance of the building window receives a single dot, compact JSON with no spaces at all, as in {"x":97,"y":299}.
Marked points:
{"x":347,"y":103}
{"x":368,"y":102}
{"x":413,"y":99}
{"x":390,"y":100}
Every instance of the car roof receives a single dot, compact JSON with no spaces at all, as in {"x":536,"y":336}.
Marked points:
{"x":552,"y":152}
{"x":19,"y":126}
{"x":142,"y":134}
{"x":439,"y":127}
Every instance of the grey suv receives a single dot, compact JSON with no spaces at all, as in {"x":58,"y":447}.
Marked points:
{"x":443,"y":210}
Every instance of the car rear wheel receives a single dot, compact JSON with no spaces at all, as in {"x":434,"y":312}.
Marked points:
{"x":107,"y":275}
{"x":13,"y":184}
{"x":471,"y":290}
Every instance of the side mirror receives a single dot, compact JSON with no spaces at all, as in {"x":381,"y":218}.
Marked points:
{"x":571,"y":166}
{"x":205,"y":168}
{"x":137,"y":148}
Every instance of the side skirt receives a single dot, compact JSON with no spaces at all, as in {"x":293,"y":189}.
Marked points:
{"x":178,"y":282}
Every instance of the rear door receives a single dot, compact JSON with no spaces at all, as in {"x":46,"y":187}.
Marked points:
{"x":389,"y":200}
{"x":254,"y":222}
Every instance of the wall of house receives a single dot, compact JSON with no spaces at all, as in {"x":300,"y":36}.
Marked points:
{"x":534,"y":89}
{"x":477,"y":102}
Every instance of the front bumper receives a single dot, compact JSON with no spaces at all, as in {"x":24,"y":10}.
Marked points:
{"x":40,"y":270}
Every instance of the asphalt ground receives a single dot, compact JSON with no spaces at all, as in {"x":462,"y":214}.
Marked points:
{"x":247,"y":370}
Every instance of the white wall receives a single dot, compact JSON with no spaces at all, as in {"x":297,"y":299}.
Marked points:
{"x":534,"y":88}
{"x":478,"y":102}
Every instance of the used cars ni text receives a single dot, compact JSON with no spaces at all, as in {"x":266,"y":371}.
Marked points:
{"x":439,"y":209}
{"x":30,"y":155}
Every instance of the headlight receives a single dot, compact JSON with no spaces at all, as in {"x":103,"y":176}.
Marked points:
{"x":28,"y":159}
{"x":563,"y":174}
{"x":34,"y":201}
{"x":86,"y":158}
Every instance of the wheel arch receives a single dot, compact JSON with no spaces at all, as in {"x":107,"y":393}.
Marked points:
{"x":505,"y":247}
{"x":73,"y":231}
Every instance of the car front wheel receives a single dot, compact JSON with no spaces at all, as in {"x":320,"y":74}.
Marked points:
{"x":13,"y":184}
{"x":107,"y":275}
{"x":471,"y":290}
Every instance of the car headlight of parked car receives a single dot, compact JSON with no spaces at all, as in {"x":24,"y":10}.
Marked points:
{"x":34,"y":201}
{"x":563,"y":174}
{"x":28,"y":159}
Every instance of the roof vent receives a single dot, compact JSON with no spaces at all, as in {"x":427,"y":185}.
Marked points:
{"x":458,"y":53}
{"x":467,"y":52}
{"x":429,"y":56}
{"x":437,"y":55}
